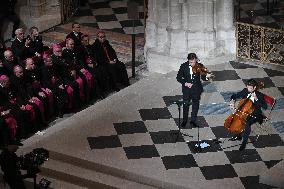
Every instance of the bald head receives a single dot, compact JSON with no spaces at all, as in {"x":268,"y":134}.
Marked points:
{"x":18,"y":71}
{"x":30,"y":64}
{"x":9,"y":55}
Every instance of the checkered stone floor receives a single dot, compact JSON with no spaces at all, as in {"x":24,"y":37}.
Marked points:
{"x":156,"y":134}
{"x":255,"y":11}
{"x":111,"y":16}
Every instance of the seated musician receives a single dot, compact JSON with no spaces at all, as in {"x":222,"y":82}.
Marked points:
{"x":251,"y":92}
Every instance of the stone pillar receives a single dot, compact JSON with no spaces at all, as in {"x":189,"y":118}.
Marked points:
{"x":185,"y":15}
{"x":225,"y":36}
{"x":151,"y":26}
{"x":162,"y":24}
{"x":178,"y":27}
{"x":175,"y":15}
{"x":176,"y":31}
{"x":41,"y":13}
{"x":37,"y":7}
{"x":201,"y":27}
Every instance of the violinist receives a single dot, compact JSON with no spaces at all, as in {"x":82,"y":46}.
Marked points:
{"x":190,"y":77}
{"x":250,"y":92}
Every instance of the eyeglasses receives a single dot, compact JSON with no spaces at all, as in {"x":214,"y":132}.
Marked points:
{"x":102,"y":37}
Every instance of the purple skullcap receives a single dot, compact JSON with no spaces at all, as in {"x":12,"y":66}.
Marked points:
{"x":3,"y":77}
{"x":56,"y":46}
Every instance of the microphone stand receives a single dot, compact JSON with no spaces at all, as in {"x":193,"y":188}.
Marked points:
{"x":179,"y":103}
{"x":198,"y":147}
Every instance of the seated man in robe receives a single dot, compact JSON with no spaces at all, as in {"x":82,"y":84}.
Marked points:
{"x":52,"y":79}
{"x":27,"y":99}
{"x":34,"y":80}
{"x":106,"y":56}
{"x":9,"y":102}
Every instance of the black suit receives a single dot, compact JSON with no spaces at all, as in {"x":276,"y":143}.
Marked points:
{"x":117,"y":71}
{"x":51,"y":79}
{"x":192,"y":93}
{"x":20,"y":50}
{"x":8,"y":66}
{"x":8,"y":100}
{"x":99,"y":72}
{"x":257,"y":115}
{"x":36,"y":44}
{"x":9,"y":162}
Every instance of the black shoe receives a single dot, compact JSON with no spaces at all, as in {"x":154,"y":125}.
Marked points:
{"x":236,"y":137}
{"x":183,"y":124}
{"x":243,"y":146}
{"x":193,"y":124}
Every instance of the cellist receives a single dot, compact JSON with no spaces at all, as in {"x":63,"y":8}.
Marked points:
{"x":251,"y":92}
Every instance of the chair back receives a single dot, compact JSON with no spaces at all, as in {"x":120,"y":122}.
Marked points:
{"x":269,"y":100}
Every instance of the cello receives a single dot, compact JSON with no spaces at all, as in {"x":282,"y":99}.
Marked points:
{"x":236,"y":122}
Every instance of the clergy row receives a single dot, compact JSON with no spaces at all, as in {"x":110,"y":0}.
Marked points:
{"x":38,"y":83}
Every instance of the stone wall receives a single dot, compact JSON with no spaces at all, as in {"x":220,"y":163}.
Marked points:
{"x":41,"y":13}
{"x":176,"y":27}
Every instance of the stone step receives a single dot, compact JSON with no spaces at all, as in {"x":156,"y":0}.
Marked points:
{"x":79,"y":171}
{"x":66,"y":170}
{"x":55,"y":184}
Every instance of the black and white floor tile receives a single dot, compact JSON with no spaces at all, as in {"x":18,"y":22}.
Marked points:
{"x":111,"y":16}
{"x":156,"y":134}
{"x":256,"y":12}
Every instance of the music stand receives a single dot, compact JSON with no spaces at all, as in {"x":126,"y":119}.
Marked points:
{"x":179,"y":103}
{"x":200,"y":145}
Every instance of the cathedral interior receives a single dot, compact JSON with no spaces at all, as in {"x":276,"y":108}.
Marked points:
{"x":130,"y":136}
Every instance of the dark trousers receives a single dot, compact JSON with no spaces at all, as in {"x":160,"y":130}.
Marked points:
{"x":118,"y":74}
{"x":16,"y":183}
{"x":249,"y":123}
{"x":4,"y":133}
{"x":100,"y":74}
{"x":195,"y":107}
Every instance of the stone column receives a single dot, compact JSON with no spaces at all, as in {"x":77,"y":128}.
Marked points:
{"x":184,"y":11}
{"x":182,"y":26}
{"x":201,"y":27}
{"x":37,"y":7}
{"x":175,"y":14}
{"x":151,"y":26}
{"x":43,"y":14}
{"x":225,"y":36}
{"x":225,"y":14}
{"x":176,"y":32}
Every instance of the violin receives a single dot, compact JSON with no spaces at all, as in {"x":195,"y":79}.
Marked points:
{"x":236,"y":122}
{"x":201,"y":69}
